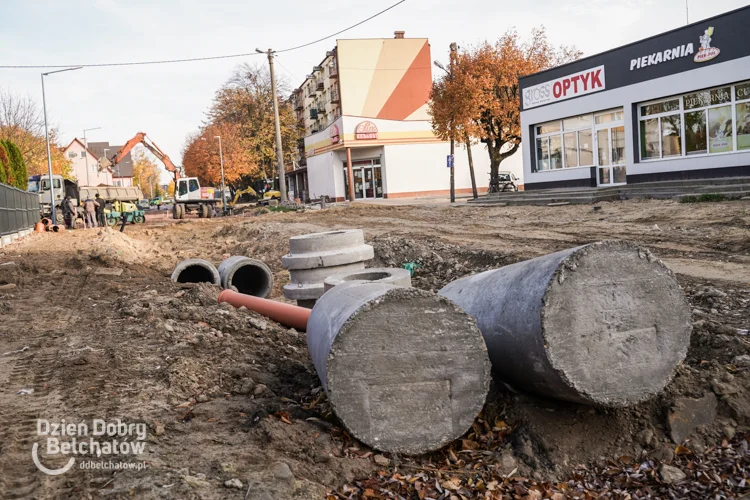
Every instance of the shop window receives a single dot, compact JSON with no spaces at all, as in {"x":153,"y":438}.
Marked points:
{"x":616,"y":115}
{"x":542,"y":154}
{"x":585,"y":148}
{"x":555,"y":152}
{"x":695,"y":133}
{"x":671,"y":136}
{"x":720,"y":130}
{"x":571,"y":149}
{"x":565,"y":143}
{"x":650,"y":139}
{"x":711,"y":121}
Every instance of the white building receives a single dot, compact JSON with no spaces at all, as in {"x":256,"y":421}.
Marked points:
{"x":364,"y":111}
{"x":86,"y":171}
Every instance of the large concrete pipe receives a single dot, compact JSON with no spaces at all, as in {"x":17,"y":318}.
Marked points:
{"x":602,"y":324}
{"x":195,"y":271}
{"x":285,"y":314}
{"x":391,"y":275}
{"x":314,"y":257}
{"x":405,"y":370}
{"x":246,"y":275}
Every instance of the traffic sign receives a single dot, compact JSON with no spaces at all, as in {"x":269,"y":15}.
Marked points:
{"x":450,"y":161}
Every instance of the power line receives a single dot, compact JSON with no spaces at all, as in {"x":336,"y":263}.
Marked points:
{"x":342,"y":31}
{"x":287,"y":70}
{"x":195,"y":59}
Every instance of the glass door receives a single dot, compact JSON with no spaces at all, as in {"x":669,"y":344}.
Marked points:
{"x":602,"y":149}
{"x":610,"y":148}
{"x":359,"y":191}
{"x":369,"y":184}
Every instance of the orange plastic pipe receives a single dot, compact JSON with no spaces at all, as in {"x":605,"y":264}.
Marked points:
{"x":286,"y":314}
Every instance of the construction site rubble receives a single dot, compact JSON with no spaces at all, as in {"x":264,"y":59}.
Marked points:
{"x":95,"y":324}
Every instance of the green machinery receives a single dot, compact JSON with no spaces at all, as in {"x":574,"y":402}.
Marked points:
{"x":129,"y":210}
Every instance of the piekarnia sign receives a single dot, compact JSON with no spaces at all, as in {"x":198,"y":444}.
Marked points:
{"x":578,"y":84}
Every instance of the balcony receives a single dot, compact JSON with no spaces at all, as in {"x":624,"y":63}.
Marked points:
{"x":319,"y":86}
{"x":335,"y":97}
{"x":311,"y":92}
{"x":299,"y":106}
{"x":313,"y":114}
{"x":321,"y":107}
{"x":333,"y":71}
{"x":314,"y":129}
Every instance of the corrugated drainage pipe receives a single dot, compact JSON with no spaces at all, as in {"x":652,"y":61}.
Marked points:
{"x":405,"y":370}
{"x":246,"y":275}
{"x":604,"y":324}
{"x":286,"y":314}
{"x":195,"y":271}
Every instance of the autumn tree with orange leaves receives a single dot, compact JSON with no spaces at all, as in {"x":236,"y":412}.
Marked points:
{"x":480,"y":101}
{"x":242,"y":114}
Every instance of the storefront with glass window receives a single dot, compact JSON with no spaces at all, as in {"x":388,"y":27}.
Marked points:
{"x":673,"y":106}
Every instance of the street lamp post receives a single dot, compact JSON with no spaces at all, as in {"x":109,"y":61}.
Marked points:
{"x":221,"y":162}
{"x":46,"y":135}
{"x":86,"y":147}
{"x":105,"y":157}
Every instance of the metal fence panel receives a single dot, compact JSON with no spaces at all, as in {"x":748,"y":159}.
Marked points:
{"x":19,"y":210}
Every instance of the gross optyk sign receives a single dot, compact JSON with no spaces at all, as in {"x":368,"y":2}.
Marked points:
{"x":585,"y":82}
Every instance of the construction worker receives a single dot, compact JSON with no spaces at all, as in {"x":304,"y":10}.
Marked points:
{"x":100,"y":210}
{"x":89,"y":212}
{"x":69,"y":213}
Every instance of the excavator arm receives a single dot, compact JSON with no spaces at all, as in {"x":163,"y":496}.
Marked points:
{"x":140,"y":138}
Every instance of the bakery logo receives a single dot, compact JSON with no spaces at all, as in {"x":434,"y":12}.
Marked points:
{"x":365,"y":131}
{"x":706,"y":52}
{"x":335,"y":134}
{"x":98,"y":445}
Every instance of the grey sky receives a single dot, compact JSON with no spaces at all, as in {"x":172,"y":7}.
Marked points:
{"x":169,"y":101}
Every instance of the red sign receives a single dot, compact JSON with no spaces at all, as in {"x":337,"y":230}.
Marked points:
{"x":582,"y":83}
{"x":335,"y":134}
{"x":365,"y":131}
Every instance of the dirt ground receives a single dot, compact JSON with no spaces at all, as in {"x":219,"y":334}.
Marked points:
{"x":233,"y":407}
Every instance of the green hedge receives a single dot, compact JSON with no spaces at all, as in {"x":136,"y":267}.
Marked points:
{"x":4,"y":164}
{"x":16,"y":173}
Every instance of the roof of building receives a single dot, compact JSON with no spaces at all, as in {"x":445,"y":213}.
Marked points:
{"x":76,"y":140}
{"x":599,"y":55}
{"x":126,"y":165}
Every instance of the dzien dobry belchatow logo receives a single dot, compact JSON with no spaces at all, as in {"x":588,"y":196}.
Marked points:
{"x":98,"y":443}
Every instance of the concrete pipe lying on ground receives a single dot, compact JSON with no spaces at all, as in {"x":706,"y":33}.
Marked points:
{"x":391,"y":275}
{"x":196,"y":271}
{"x":405,"y":370}
{"x":603,"y":324}
{"x":55,"y":228}
{"x":246,"y":275}
{"x":314,"y":257}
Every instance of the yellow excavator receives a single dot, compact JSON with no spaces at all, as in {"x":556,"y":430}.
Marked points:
{"x":239,"y":194}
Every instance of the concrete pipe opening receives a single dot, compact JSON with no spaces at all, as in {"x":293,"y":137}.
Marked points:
{"x":406,"y":371}
{"x":247,"y":276}
{"x":391,"y":275}
{"x":195,"y":271}
{"x":603,"y":324}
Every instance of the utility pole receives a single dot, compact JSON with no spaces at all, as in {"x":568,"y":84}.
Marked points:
{"x":453,"y":48}
{"x":277,"y":124}
{"x":687,"y":13}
